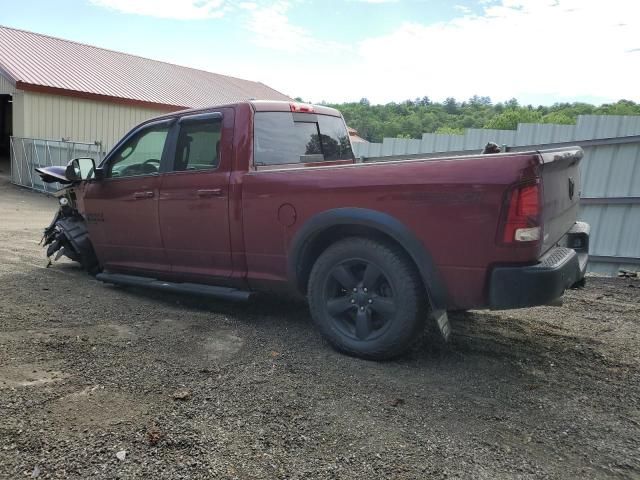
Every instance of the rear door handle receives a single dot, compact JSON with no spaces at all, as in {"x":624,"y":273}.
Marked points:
{"x":212,"y":192}
{"x":139,"y":195}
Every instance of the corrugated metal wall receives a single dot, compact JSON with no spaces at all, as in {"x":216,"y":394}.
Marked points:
{"x":18,"y":113}
{"x":588,"y":127}
{"x":611,"y":192}
{"x":54,"y":117}
{"x":610,"y":174}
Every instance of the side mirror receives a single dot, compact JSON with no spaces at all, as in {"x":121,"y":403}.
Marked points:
{"x":80,"y":169}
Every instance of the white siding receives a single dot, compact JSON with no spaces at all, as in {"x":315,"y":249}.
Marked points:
{"x":6,"y":87}
{"x":18,"y":114}
{"x":54,"y":117}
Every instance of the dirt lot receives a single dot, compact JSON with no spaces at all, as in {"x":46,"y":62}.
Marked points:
{"x":89,"y":370}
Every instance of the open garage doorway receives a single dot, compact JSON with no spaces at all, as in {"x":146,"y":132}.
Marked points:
{"x":6,"y":127}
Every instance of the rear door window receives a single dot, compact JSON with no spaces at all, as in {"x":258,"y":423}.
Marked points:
{"x":198,"y":145}
{"x":285,"y":138}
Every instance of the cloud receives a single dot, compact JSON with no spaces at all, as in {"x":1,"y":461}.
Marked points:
{"x":175,"y":9}
{"x":376,"y":1}
{"x":272,"y":29}
{"x":534,"y":50}
{"x":248,"y":5}
{"x":462,"y":9}
{"x":529,"y":49}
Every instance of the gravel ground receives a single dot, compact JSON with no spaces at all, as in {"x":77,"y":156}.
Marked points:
{"x":104,"y":382}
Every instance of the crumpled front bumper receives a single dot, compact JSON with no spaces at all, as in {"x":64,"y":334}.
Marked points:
{"x":562,"y":267}
{"x":69,"y":236}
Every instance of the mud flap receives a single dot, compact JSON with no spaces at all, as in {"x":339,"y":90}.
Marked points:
{"x":442,"y":322}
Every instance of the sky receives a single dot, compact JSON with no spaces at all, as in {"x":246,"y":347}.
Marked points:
{"x":538,"y":51}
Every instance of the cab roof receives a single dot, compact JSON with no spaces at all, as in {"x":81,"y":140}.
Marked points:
{"x":258,"y":106}
{"x":280,"y":106}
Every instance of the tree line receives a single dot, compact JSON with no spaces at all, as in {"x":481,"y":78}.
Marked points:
{"x":412,"y":118}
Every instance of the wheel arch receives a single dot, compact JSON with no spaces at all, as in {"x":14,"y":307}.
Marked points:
{"x":324,"y":229}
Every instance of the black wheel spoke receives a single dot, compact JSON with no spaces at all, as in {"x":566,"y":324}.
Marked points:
{"x":337,"y":306}
{"x":371,"y":277}
{"x":363,"y":324}
{"x":344,"y":277}
{"x":359,"y":299}
{"x":385,"y":306}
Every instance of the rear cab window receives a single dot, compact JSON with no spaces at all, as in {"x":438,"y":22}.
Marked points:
{"x":285,"y":138}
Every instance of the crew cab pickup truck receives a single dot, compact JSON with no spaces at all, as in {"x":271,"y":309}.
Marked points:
{"x":264,"y":195}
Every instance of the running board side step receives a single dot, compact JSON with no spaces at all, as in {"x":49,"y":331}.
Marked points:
{"x":225,"y":293}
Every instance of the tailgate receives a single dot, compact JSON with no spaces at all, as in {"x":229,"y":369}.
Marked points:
{"x":561,"y":192}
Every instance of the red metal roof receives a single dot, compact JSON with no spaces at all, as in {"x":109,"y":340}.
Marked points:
{"x":41,"y":63}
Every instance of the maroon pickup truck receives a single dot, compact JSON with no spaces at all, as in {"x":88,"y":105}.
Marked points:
{"x":261,"y":195}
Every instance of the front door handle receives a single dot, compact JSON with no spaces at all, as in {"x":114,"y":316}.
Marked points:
{"x":139,"y":195}
{"x":211,"y":192}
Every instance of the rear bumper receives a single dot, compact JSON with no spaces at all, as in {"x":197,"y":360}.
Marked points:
{"x":560,"y":268}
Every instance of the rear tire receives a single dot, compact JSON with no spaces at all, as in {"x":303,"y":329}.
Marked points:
{"x":367,"y":298}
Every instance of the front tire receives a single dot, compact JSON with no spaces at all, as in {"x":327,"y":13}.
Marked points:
{"x":367,"y":298}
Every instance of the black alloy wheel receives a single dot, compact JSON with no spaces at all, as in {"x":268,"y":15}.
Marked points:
{"x":367,"y":298}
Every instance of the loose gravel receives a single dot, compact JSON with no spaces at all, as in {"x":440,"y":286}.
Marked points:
{"x":98,"y":381}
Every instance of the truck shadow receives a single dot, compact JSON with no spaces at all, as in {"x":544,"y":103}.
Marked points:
{"x":285,"y":321}
{"x":526,"y":341}
{"x":475,"y":335}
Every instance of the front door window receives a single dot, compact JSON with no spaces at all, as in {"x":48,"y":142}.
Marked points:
{"x":141,"y":154}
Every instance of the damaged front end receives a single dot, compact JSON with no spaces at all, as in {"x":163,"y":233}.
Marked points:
{"x":67,"y":234}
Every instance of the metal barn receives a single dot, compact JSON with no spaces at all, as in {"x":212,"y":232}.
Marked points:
{"x":67,"y":96}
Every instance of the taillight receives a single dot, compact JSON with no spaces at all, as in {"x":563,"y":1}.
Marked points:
{"x":522,"y":221}
{"x":301,"y":107}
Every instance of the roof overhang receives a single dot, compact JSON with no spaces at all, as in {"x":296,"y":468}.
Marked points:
{"x":7,"y":75}
{"x":7,"y":85}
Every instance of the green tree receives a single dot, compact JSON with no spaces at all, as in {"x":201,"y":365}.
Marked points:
{"x":621,"y":107}
{"x":451,"y":106}
{"x":414,"y":117}
{"x":509,"y":119}
{"x":450,"y":130}
{"x":559,"y":117}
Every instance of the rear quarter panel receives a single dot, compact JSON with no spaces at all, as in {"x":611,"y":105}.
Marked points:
{"x":452,"y":205}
